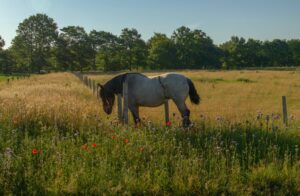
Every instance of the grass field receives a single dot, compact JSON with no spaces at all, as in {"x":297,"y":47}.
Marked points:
{"x":55,"y":139}
{"x":3,"y":78}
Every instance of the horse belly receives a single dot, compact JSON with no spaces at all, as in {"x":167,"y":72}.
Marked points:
{"x":150,"y":98}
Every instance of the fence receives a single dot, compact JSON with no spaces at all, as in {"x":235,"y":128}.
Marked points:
{"x":17,"y":77}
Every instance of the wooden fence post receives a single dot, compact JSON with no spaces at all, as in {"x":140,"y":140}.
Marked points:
{"x":94,"y":87}
{"x":284,"y":111}
{"x":120,"y":109}
{"x":90,"y":83}
{"x":125,"y":102}
{"x":86,"y":80}
{"x":167,"y":119}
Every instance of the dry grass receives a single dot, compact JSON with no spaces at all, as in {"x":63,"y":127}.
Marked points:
{"x":58,"y":100}
{"x":236,"y":95}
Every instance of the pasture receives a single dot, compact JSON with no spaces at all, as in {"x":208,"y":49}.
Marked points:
{"x":56,"y":139}
{"x":235,"y":95}
{"x":3,"y":78}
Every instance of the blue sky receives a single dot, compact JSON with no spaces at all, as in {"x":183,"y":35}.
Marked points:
{"x":220,"y":19}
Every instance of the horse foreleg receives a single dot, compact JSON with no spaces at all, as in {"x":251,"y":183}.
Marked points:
{"x":135,"y":114}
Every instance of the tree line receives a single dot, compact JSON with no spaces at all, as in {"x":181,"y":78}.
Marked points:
{"x":40,"y":45}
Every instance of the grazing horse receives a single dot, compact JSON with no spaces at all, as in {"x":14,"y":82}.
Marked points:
{"x":150,"y":92}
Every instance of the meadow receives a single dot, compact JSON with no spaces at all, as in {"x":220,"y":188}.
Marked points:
{"x":55,"y":139}
{"x":235,"y":95}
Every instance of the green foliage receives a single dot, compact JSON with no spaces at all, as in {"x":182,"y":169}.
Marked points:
{"x":162,"y":52}
{"x":32,"y":44}
{"x":76,"y":49}
{"x":294,"y":49}
{"x":195,"y":49}
{"x":2,"y":43}
{"x":106,"y":50}
{"x":134,"y":49}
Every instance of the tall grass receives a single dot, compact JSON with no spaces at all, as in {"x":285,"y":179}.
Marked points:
{"x":55,"y":139}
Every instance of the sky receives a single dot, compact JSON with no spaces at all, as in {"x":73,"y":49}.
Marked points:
{"x":219,"y":19}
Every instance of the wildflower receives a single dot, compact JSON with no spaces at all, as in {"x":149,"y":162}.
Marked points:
{"x":9,"y":152}
{"x":259,"y":115}
{"x":168,"y":123}
{"x":34,"y":151}
{"x":85,"y":147}
{"x":218,"y":118}
{"x":15,"y":120}
{"x":94,"y":145}
{"x":126,"y":140}
{"x":113,"y":137}
{"x":292,"y":117}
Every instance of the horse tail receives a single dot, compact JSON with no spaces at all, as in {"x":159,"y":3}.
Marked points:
{"x":194,"y":97}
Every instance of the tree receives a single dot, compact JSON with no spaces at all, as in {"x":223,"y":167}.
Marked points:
{"x":78,"y":52}
{"x":106,"y":50}
{"x":162,"y":52}
{"x":253,"y":53}
{"x":2,"y":43}
{"x":195,"y":49}
{"x":294,"y":48}
{"x":35,"y":37}
{"x":2,"y":57}
{"x":277,"y":53}
{"x":134,"y":49}
{"x":234,"y":53}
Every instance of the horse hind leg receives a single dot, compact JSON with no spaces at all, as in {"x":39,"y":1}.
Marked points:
{"x":185,"y":112}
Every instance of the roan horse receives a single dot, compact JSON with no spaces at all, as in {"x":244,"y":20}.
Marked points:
{"x":150,"y":92}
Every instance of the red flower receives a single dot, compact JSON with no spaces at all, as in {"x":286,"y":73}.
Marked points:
{"x":142,"y":149}
{"x":168,"y":123}
{"x":85,"y":147}
{"x":34,"y":151}
{"x":126,"y":140}
{"x":94,"y":145}
{"x":113,"y":137}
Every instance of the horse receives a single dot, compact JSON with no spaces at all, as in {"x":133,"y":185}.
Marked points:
{"x":150,"y":92}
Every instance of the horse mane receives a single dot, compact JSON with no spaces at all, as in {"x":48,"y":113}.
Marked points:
{"x":115,"y":85}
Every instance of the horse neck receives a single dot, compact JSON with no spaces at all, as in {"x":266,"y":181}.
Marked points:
{"x":115,"y":84}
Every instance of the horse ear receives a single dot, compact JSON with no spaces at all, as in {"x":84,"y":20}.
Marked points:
{"x":100,"y":85}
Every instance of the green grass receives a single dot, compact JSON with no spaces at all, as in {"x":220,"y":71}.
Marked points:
{"x":229,"y":159}
{"x":3,"y":78}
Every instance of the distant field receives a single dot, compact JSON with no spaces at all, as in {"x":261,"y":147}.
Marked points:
{"x":236,"y":95}
{"x":3,"y":78}
{"x":56,"y":140}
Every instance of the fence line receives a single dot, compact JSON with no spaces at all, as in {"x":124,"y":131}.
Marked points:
{"x":123,"y":107}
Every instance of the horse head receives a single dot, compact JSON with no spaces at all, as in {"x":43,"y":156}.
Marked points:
{"x":107,"y":97}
